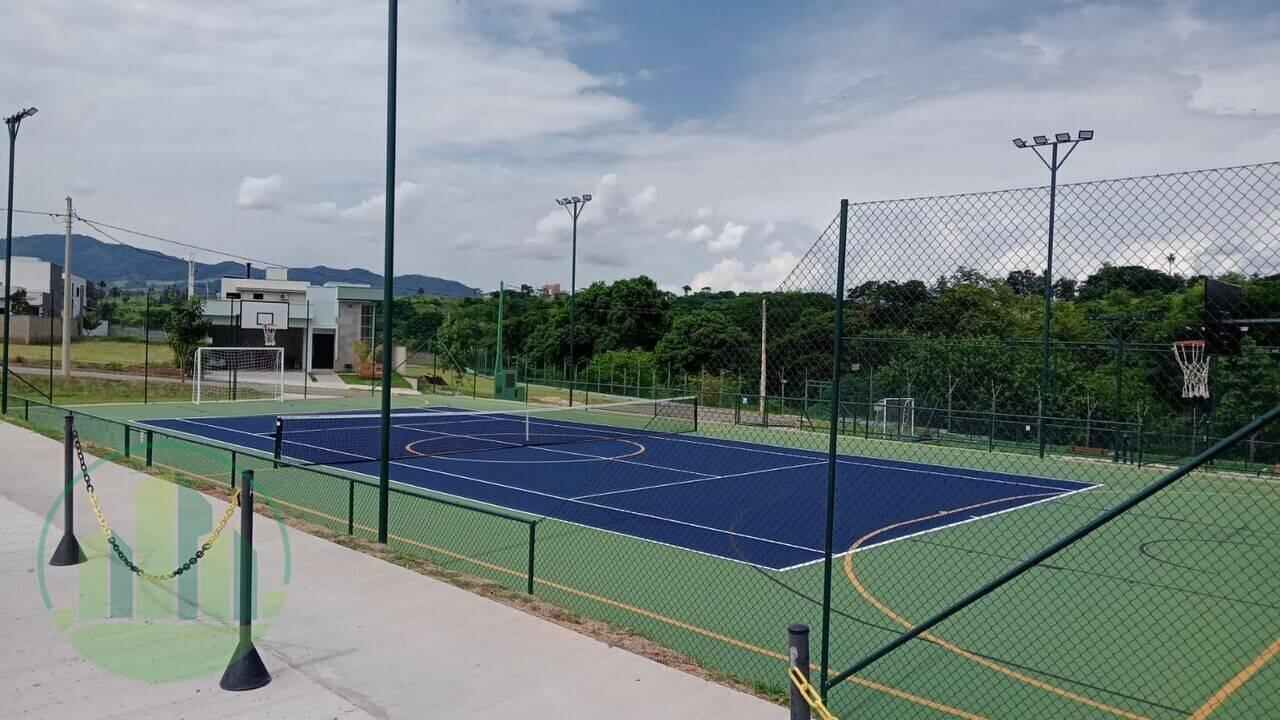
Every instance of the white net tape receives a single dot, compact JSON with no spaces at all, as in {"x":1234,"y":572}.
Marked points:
{"x":1195,"y":368}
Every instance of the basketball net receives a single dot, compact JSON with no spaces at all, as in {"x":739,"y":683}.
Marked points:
{"x":268,"y":336}
{"x":1195,"y":368}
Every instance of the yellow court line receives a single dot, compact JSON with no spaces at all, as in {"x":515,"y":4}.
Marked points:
{"x":1236,"y":682}
{"x":888,"y":612}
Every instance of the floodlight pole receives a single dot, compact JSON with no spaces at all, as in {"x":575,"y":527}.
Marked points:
{"x":13,"y":121}
{"x":574,"y":207}
{"x":1054,"y":163}
{"x":388,"y":276}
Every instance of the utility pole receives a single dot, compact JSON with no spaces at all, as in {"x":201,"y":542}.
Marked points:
{"x":66,"y":298}
{"x":764,"y":361}
{"x":191,"y":277}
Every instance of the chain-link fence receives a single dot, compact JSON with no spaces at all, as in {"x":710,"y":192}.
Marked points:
{"x":865,"y":486}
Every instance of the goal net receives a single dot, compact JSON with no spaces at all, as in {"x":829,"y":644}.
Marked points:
{"x":896,"y":416}
{"x":238,"y":373}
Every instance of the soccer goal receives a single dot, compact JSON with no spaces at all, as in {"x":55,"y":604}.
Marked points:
{"x":896,"y":416}
{"x":238,"y":373}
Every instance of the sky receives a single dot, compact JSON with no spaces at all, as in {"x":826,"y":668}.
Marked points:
{"x":717,"y":138}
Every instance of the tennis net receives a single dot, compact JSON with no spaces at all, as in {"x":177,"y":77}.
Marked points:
{"x":356,"y":437}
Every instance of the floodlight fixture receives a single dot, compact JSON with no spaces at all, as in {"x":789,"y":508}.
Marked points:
{"x":577,"y":199}
{"x":19,"y":116}
{"x":1062,"y":137}
{"x":1019,"y":143}
{"x":1085,"y":135}
{"x":586,"y":198}
{"x":1041,"y":140}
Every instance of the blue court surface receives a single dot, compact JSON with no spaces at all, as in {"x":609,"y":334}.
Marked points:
{"x":748,"y":502}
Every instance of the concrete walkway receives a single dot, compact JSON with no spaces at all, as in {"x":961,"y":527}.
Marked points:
{"x":357,"y":637}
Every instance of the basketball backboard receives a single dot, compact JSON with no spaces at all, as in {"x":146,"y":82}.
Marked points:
{"x":254,"y":314}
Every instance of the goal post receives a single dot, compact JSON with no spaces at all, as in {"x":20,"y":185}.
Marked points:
{"x":896,"y":416}
{"x":237,"y":373}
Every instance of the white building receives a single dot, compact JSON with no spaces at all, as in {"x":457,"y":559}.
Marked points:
{"x":323,"y":320}
{"x":43,"y":283}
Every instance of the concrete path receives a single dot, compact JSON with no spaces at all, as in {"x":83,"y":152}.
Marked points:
{"x":357,"y":637}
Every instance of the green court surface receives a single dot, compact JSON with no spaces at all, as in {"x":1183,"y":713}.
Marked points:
{"x":1153,"y":616}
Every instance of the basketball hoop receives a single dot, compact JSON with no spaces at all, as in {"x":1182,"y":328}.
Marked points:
{"x":1195,"y":368}
{"x":268,"y":335}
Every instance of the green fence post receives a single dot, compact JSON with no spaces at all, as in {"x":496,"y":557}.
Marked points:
{"x":351,"y":507}
{"x":126,"y":440}
{"x":150,"y":437}
{"x":533,"y":541}
{"x":233,"y":469}
{"x":836,"y":373}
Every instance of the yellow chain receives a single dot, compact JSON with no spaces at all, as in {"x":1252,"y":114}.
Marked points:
{"x":108,"y":534}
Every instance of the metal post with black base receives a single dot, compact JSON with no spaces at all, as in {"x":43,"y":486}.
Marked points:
{"x":246,"y":670}
{"x":68,"y":551}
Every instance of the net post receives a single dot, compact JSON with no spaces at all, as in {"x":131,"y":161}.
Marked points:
{"x":278,"y":441}
{"x":798,"y":655}
{"x":245,"y":671}
{"x":68,"y":551}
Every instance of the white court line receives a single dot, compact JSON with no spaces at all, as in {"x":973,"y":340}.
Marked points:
{"x":698,"y":480}
{"x":543,"y":448}
{"x":685,"y":439}
{"x":607,"y":508}
{"x":1058,"y":493}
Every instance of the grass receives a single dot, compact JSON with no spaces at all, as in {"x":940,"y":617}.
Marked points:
{"x":82,"y":390}
{"x":397,"y":380}
{"x":100,"y":354}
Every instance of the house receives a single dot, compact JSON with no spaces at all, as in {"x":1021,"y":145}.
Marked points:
{"x":315,"y":324}
{"x":550,"y":290}
{"x":43,"y":282}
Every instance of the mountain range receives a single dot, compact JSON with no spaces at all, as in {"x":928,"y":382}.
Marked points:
{"x":132,"y":268}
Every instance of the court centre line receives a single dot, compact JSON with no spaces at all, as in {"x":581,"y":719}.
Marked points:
{"x":442,"y":433}
{"x":698,"y":480}
{"x":528,"y":491}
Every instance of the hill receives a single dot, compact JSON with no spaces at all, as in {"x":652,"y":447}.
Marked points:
{"x":120,"y":265}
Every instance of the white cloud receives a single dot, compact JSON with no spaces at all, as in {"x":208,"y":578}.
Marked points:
{"x":260,"y":193}
{"x":1239,"y":90}
{"x":730,"y":238}
{"x":738,"y":276}
{"x":496,"y":120}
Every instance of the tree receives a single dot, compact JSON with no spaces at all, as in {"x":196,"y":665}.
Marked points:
{"x":1025,"y":282}
{"x":186,"y":328}
{"x":18,"y":303}
{"x":686,"y":289}
{"x":703,"y":340}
